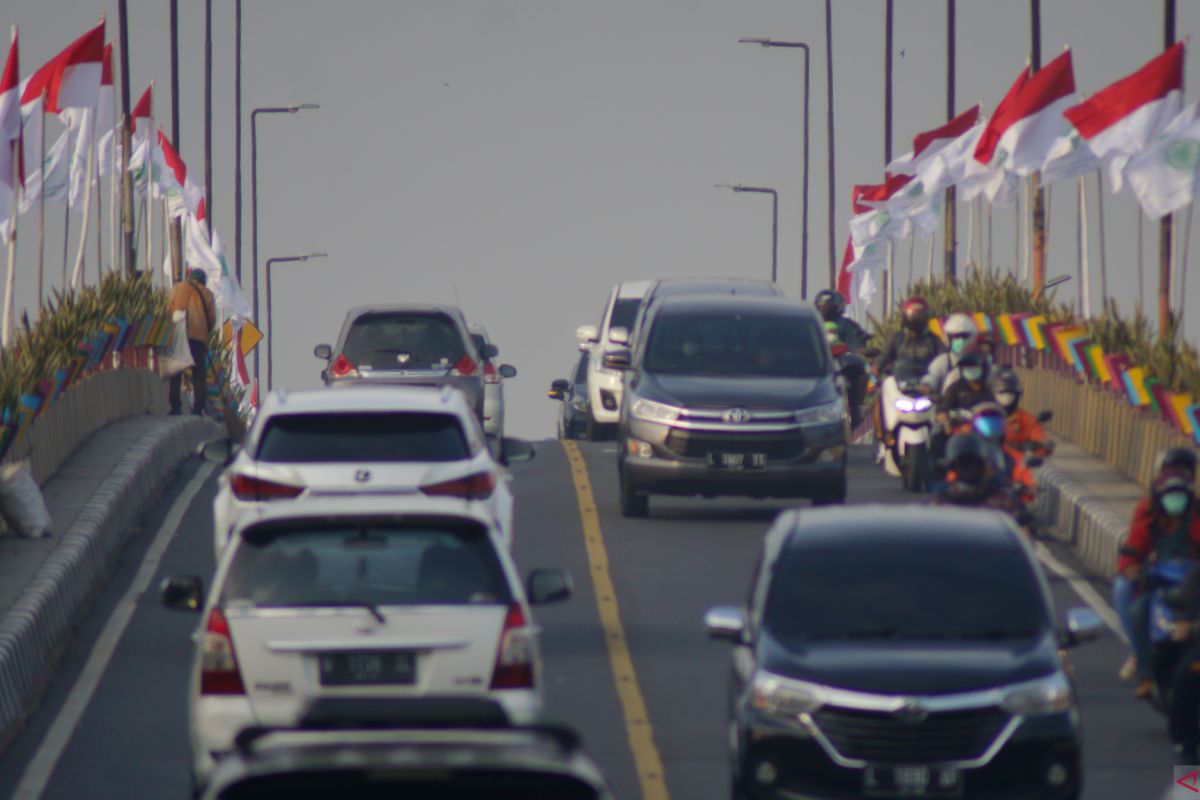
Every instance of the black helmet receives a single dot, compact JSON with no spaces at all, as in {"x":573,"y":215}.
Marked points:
{"x":1004,"y":380}
{"x":915,"y":312}
{"x":1184,"y":457}
{"x":831,"y":304}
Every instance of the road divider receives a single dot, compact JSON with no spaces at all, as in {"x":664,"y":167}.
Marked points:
{"x":639,"y":732}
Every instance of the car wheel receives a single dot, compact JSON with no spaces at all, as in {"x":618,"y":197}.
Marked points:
{"x":589,"y":429}
{"x":633,"y":503}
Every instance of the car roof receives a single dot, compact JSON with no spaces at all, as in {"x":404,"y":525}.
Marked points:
{"x":359,"y":397}
{"x":766,"y":304}
{"x":373,"y":504}
{"x":475,"y":327}
{"x":415,"y":308}
{"x":914,"y":524}
{"x":671,"y":287}
{"x":633,"y":289}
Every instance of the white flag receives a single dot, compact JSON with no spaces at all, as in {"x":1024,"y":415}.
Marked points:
{"x":1069,"y":158}
{"x":81,"y":121}
{"x":1164,"y":175}
{"x":55,"y":182}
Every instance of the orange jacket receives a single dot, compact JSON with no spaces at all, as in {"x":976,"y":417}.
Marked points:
{"x":1022,"y":431}
{"x":201,"y":309}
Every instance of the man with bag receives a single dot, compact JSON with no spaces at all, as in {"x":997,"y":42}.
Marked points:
{"x":193,"y":298}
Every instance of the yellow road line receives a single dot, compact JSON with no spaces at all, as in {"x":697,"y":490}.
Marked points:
{"x":633,"y":706}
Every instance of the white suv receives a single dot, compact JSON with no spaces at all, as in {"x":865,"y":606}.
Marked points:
{"x":604,"y":385}
{"x":361,"y":598}
{"x":356,"y":439}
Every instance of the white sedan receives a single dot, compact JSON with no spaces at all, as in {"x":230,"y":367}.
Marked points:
{"x":355,"y":440}
{"x":356,"y":598}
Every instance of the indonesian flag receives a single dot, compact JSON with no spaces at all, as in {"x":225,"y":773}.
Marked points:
{"x":173,"y":180}
{"x":1020,"y":135}
{"x":10,"y":131}
{"x":143,"y":125}
{"x":1164,"y":175}
{"x":72,"y":78}
{"x":951,"y":166}
{"x":928,"y":144}
{"x":1122,"y":119}
{"x":85,"y":121}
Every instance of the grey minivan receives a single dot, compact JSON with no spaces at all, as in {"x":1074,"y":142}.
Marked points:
{"x":415,"y":344}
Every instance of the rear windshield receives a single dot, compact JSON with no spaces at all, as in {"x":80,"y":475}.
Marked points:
{"x":403,"y":341}
{"x":379,"y":564}
{"x":385,"y":783}
{"x":624,"y":313}
{"x":736,"y":344}
{"x":904,"y":590}
{"x":381,"y":437}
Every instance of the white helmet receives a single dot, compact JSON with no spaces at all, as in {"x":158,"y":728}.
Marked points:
{"x":961,"y":324}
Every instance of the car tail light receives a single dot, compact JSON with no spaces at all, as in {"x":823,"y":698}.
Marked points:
{"x":489,"y":373}
{"x":514,"y":661}
{"x":219,"y":672}
{"x":471,"y":487}
{"x":343,"y":367}
{"x":249,"y":488}
{"x":466,"y":366}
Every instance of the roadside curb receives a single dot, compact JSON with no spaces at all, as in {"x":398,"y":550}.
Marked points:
{"x":1078,"y":516}
{"x":32,"y":630}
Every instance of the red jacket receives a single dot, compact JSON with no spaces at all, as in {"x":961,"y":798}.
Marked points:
{"x":1140,"y":542}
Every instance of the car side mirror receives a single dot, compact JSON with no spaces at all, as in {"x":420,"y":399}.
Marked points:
{"x":618,"y":335}
{"x":1083,"y":625}
{"x":182,"y":592}
{"x":218,"y":451}
{"x":617,"y":359}
{"x":1045,"y":416}
{"x":587,"y":334}
{"x":488,"y":351}
{"x":323,"y":351}
{"x":516,"y":451}
{"x":558,"y":389}
{"x":507,"y":371}
{"x":548,"y":586}
{"x":727,"y":623}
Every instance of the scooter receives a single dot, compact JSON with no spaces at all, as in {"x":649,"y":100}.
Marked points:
{"x":907,"y":423}
{"x":1161,"y":578}
{"x":853,"y":369}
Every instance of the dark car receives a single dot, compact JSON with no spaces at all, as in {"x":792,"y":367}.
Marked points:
{"x":730,"y":395}
{"x":899,"y":651}
{"x":415,"y":344}
{"x":572,"y":417}
{"x":663,"y":288}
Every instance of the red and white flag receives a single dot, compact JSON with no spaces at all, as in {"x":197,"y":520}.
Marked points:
{"x":72,"y":78}
{"x":1124,"y":117}
{"x":173,"y":180}
{"x":1019,"y":136}
{"x":10,"y":132}
{"x":928,"y":144}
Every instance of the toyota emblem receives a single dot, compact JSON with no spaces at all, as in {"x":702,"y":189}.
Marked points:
{"x":912,"y":712}
{"x":362,"y":476}
{"x":737,"y":416}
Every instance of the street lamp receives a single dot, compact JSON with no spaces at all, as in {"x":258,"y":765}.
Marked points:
{"x":804,"y":198}
{"x":271,"y":312}
{"x":774,"y":217}
{"x":292,"y":109}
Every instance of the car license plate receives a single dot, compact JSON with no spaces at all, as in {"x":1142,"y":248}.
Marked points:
{"x":737,"y":461}
{"x":370,"y":668}
{"x":912,"y":781}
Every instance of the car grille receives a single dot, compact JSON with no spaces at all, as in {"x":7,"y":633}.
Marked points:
{"x":776,"y":446}
{"x":883,"y":737}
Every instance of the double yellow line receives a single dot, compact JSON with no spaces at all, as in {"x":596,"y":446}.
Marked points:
{"x":646,"y":758}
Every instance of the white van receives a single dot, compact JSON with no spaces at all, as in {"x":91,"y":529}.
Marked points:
{"x":604,"y":385}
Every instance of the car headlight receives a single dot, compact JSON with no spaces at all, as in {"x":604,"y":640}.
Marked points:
{"x":654,"y":412}
{"x":783,"y":697}
{"x":1051,"y":695}
{"x":822,"y":415}
{"x":912,"y":405}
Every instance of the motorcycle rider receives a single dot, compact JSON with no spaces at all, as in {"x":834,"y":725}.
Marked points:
{"x":959,"y":330}
{"x":832,"y":307}
{"x":915,"y":340}
{"x":962,"y":395}
{"x":1022,"y":431}
{"x":972,"y":480}
{"x":1184,"y":713}
{"x":987,"y":419}
{"x":1165,"y":526}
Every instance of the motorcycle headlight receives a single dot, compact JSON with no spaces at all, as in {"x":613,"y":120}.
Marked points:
{"x":922,"y":404}
{"x":1050,"y":695}
{"x":989,"y":427}
{"x":783,"y":697}
{"x":654,"y":412}
{"x":822,"y":415}
{"x":904,"y":405}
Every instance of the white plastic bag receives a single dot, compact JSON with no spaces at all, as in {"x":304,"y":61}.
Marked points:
{"x":21,"y":501}
{"x":179,"y":357}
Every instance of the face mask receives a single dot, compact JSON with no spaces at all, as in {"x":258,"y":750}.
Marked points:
{"x":1006,"y":399}
{"x":973,"y":374}
{"x":957,"y":345}
{"x":1175,"y":503}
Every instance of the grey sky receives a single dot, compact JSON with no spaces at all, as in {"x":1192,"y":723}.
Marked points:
{"x":575,"y":145}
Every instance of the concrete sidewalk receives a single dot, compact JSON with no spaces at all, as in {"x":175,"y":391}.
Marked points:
{"x":95,"y":499}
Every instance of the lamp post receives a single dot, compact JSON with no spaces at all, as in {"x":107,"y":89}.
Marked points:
{"x":804,"y":190}
{"x":271,"y":312}
{"x":292,"y":109}
{"x":774,"y":218}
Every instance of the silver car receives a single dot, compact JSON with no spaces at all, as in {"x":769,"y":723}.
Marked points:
{"x":493,"y":384}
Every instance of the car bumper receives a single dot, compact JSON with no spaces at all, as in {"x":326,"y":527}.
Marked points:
{"x":470,"y":385}
{"x":1020,"y":770}
{"x":817,"y":468}
{"x":604,"y":396}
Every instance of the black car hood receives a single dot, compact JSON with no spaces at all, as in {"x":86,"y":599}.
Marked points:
{"x":911,"y":667}
{"x":751,"y":392}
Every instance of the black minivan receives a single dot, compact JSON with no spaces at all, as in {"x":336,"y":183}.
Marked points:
{"x":901,"y":651}
{"x":730,"y":395}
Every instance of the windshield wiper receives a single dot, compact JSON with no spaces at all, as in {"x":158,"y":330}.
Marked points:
{"x":371,"y":607}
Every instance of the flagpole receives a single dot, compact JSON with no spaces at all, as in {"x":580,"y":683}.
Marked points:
{"x":929,"y":269}
{"x":1085,"y":288}
{"x":1165,"y":225}
{"x":89,"y":165}
{"x":66,"y":238}
{"x":113,"y":176}
{"x":1183,"y":270}
{"x":950,"y":231}
{"x":989,"y":239}
{"x":1037,"y":201}
{"x":1140,"y":261}
{"x":150,"y":196}
{"x":42,"y":211}
{"x":1020,"y":263}
{"x":6,"y":335}
{"x":970,"y":231}
{"x":99,"y":210}
{"x":912,"y":251}
{"x":126,"y":133}
{"x":1103,"y":245}
{"x":1175,"y":261}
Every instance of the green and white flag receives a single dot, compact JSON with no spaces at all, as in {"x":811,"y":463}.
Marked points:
{"x":1164,"y":175}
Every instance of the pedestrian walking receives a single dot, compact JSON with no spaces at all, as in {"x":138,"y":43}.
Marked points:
{"x":193,"y":297}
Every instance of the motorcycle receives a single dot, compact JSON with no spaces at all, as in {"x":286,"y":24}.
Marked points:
{"x":1161,"y":578}
{"x":853,"y":368}
{"x":907,"y":423}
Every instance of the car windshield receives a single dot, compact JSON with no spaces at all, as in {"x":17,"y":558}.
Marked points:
{"x":389,"y":782}
{"x":403,"y":341}
{"x":380,"y":437}
{"x":624,"y":313}
{"x":380,"y":564}
{"x":712,"y":343}
{"x":903,"y":589}
{"x":581,"y":370}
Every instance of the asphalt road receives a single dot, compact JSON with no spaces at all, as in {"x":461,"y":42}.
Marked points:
{"x":127,"y":739}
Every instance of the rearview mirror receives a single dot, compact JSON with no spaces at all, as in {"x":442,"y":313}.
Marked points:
{"x":726,"y":622}
{"x":323,"y":351}
{"x":548,"y":586}
{"x":617,"y":359}
{"x":488,"y":351}
{"x":1083,"y":625}
{"x":182,"y":592}
{"x":560,"y":385}
{"x":1045,"y":416}
{"x":507,"y":371}
{"x":618,"y":335}
{"x":587,"y":334}
{"x":218,"y":451}
{"x":516,"y":451}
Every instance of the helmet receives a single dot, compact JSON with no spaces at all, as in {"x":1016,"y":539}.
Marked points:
{"x":831,"y":304}
{"x":1174,"y":478}
{"x":915,"y":311}
{"x":987,"y":419}
{"x":1184,"y":457}
{"x":198,"y":275}
{"x":1006,"y":388}
{"x":967,"y":455}
{"x":959,"y":324}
